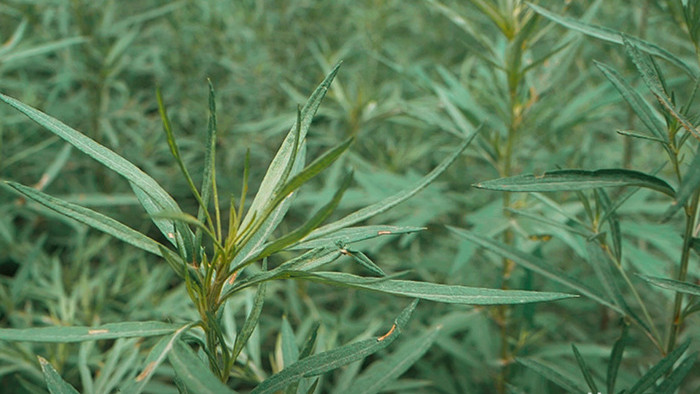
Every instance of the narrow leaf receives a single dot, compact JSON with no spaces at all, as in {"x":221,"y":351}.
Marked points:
{"x":645,"y":112}
{"x":54,"y":381}
{"x":327,"y":361}
{"x":611,"y":35}
{"x":79,"y":334}
{"x":659,"y":370}
{"x":675,"y":378}
{"x":250,"y":322}
{"x":573,"y":180}
{"x":675,"y":285}
{"x":615,"y":359}
{"x":451,"y":294}
{"x":388,"y":369}
{"x":91,"y":218}
{"x":537,"y":265}
{"x":355,"y":234}
{"x":193,"y":373}
{"x":584,"y":370}
{"x":275,"y":170}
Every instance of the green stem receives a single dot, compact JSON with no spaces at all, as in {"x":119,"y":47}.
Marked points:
{"x":677,"y":318}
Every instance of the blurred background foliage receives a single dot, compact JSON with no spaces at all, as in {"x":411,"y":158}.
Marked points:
{"x":415,"y":78}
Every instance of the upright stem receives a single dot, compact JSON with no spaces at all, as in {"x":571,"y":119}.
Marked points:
{"x":676,"y":318}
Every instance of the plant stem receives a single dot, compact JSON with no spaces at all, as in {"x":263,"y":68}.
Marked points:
{"x":676,"y":318}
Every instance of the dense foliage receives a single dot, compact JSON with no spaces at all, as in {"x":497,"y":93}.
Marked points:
{"x":219,"y":196}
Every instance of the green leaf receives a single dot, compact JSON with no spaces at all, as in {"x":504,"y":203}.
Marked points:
{"x":645,"y":112}
{"x":573,"y":180}
{"x":54,"y":382}
{"x":675,"y":378}
{"x":652,"y":78}
{"x":79,"y":334}
{"x":193,"y":373}
{"x":689,"y":184}
{"x":155,"y":357}
{"x":451,"y":294}
{"x":390,"y":202}
{"x":273,"y":176}
{"x":537,"y":265}
{"x":355,"y":234}
{"x":90,"y":217}
{"x":615,"y":359}
{"x":584,"y":370}
{"x":659,"y":370}
{"x":310,"y":224}
{"x":388,"y":369}
{"x":290,"y":351}
{"x":250,"y":322}
{"x":329,"y":360}
{"x":678,"y":286}
{"x":159,"y":198}
{"x":551,"y":374}
{"x":611,"y":35}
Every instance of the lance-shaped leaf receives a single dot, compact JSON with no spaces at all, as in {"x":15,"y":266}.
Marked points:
{"x":689,"y":184}
{"x":573,"y":180}
{"x":452,"y":294}
{"x":193,"y":373}
{"x":139,"y":179}
{"x":54,"y":381}
{"x":675,"y":285}
{"x":327,"y":361}
{"x":537,"y":265}
{"x":645,"y":112}
{"x":250,"y":322}
{"x":611,"y":35}
{"x":585,"y":370}
{"x":273,"y":176}
{"x":90,"y":217}
{"x":653,"y":80}
{"x":660,"y":369}
{"x":263,"y":226}
{"x":615,"y":359}
{"x":356,"y":234}
{"x":79,"y":334}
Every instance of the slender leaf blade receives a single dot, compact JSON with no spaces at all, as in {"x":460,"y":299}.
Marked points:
{"x":659,"y":370}
{"x":611,"y":35}
{"x":452,"y":294}
{"x":79,"y":334}
{"x":671,"y":284}
{"x":574,"y":180}
{"x":537,"y":265}
{"x":91,"y":218}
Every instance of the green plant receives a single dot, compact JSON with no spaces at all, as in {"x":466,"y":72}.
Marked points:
{"x":216,"y":264}
{"x":671,"y":125}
